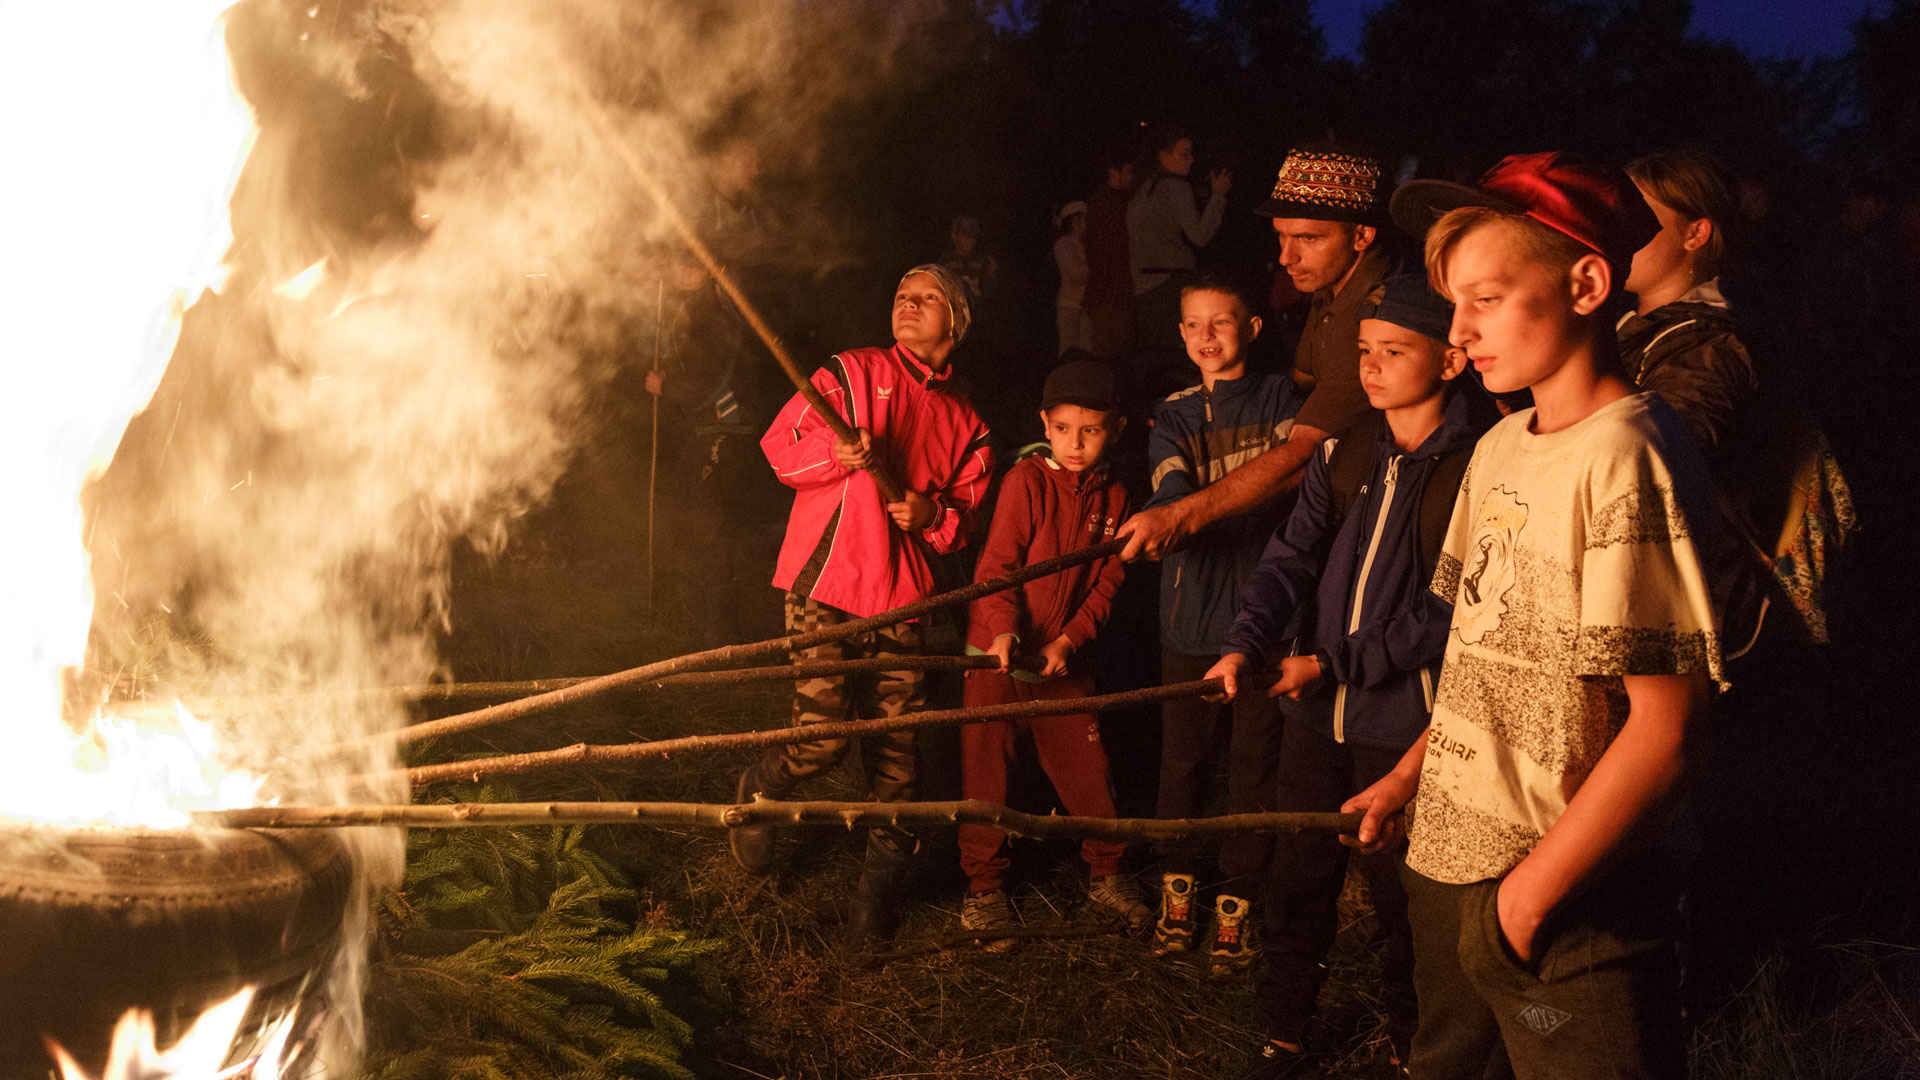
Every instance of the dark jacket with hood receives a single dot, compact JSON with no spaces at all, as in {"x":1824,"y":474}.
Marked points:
{"x":1200,"y":435}
{"x":1689,"y":354}
{"x":1356,"y":590}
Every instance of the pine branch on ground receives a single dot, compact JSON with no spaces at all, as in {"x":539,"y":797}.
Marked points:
{"x":561,"y":982}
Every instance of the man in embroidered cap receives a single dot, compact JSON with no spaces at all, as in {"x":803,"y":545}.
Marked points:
{"x":1327,"y":206}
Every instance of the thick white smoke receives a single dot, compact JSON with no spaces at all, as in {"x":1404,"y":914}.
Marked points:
{"x":438,"y":249}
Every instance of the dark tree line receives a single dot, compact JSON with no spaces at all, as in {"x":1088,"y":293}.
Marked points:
{"x":1018,"y":97}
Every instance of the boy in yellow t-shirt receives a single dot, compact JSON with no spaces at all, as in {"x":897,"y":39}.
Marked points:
{"x":1581,"y":653}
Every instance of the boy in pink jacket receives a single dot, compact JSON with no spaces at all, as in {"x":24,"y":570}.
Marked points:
{"x":848,"y":554}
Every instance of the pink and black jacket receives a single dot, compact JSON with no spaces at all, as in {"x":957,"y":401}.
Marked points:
{"x":841,"y":548}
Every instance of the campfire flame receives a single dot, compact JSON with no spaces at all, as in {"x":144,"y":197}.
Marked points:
{"x":119,"y":223}
{"x":148,"y":773}
{"x":200,"y":1054}
{"x":128,"y":136}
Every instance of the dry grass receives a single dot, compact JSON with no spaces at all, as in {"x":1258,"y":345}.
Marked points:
{"x":1078,"y":1000}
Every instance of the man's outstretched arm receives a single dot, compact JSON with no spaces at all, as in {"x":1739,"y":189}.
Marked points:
{"x":1152,"y":533}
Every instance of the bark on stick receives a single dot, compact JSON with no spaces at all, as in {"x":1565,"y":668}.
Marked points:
{"x":735,"y":655}
{"x":587,"y":755}
{"x":495,"y":691}
{"x":846,"y":815}
{"x":721,"y":677}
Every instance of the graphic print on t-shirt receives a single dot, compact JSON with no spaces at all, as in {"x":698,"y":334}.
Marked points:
{"x":1489,"y":573}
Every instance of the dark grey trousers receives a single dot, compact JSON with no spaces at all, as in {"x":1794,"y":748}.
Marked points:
{"x":1601,"y":998}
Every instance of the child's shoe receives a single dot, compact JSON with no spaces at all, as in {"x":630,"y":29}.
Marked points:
{"x":1173,"y":930}
{"x":987,"y":913}
{"x":1120,"y":895}
{"x":1233,"y":948}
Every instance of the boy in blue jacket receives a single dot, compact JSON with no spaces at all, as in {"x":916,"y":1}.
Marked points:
{"x":1199,"y":435}
{"x":1348,"y":575}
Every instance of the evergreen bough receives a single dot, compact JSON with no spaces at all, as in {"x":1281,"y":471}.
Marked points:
{"x":558,"y":980}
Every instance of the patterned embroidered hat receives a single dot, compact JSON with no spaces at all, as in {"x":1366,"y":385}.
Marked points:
{"x":1325,"y":182}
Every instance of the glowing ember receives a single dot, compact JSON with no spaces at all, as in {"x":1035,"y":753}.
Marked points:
{"x":117,"y":220}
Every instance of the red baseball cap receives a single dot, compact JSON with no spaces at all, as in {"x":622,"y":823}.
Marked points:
{"x":1594,"y":204}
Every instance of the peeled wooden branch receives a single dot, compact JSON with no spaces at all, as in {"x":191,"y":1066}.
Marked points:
{"x":584,"y":755}
{"x":846,"y":815}
{"x":468,"y":691}
{"x":720,"y":677}
{"x":734,"y":655}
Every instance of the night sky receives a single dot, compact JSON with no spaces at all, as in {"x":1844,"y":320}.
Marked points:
{"x":1794,"y":28}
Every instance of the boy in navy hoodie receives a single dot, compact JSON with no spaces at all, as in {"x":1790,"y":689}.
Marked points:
{"x":1348,"y":574}
{"x":1199,"y":435}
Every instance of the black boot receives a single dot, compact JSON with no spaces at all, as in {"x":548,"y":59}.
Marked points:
{"x":752,"y":845}
{"x":876,"y":896}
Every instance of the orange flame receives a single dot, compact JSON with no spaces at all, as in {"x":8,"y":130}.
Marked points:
{"x":118,"y":221}
{"x":201,"y":1053}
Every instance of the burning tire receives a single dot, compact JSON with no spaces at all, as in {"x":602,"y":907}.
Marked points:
{"x":99,"y":920}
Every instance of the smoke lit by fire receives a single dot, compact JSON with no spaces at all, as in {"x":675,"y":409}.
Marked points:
{"x":302,"y":297}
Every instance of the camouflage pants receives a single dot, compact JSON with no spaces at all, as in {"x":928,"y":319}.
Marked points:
{"x":869,"y":695}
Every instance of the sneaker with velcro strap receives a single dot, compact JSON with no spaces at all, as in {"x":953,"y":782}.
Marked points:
{"x":1119,"y":894}
{"x":985,"y":914}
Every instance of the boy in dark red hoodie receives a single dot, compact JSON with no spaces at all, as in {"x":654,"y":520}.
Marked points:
{"x":1053,"y":501}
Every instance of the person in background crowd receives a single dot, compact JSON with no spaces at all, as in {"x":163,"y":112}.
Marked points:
{"x":1058,"y":499}
{"x":734,"y":220}
{"x":967,"y":260}
{"x":1679,"y":340}
{"x":1784,"y":514}
{"x":1108,"y":301}
{"x":1200,"y":436}
{"x":1070,"y":259}
{"x":848,"y":553}
{"x":706,"y":482}
{"x":1327,"y":206}
{"x":1165,"y":228}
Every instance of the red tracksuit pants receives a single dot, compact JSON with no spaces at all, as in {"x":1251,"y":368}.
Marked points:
{"x":1070,"y":752}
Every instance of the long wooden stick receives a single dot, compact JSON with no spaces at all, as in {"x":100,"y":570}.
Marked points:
{"x":846,"y":815}
{"x":587,"y":755}
{"x":721,"y":677}
{"x":624,"y":149}
{"x":497,"y":691}
{"x":653,"y":449}
{"x":733,"y":655}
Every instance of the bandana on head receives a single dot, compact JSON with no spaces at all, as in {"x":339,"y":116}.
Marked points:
{"x":959,"y":309}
